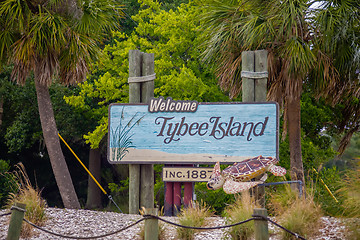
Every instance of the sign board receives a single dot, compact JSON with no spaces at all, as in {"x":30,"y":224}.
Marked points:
{"x":186,"y":174}
{"x":181,"y":132}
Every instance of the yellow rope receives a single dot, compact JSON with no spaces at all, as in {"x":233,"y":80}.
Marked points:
{"x":83,"y":166}
{"x":326,"y":187}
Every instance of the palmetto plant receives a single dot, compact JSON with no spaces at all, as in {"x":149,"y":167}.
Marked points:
{"x":54,"y":39}
{"x":308,"y":46}
{"x":122,"y":138}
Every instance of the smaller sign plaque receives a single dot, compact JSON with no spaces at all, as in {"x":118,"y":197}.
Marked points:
{"x":186,"y":174}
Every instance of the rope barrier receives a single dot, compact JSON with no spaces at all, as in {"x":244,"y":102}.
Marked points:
{"x":278,"y":225}
{"x":254,"y":217}
{"x":18,"y":208}
{"x":5,"y":214}
{"x":198,"y":228}
{"x":91,"y":237}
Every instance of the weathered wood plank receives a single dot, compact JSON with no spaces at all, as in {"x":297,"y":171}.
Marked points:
{"x":260,"y":84}
{"x":248,"y":87}
{"x":134,"y":97}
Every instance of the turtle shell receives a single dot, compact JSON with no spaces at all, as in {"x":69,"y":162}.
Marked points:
{"x":249,"y":168}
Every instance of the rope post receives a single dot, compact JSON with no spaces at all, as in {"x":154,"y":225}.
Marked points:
{"x":17,"y":216}
{"x":151,"y":225}
{"x":261,"y":225}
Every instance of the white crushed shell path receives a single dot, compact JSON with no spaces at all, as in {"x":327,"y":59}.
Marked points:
{"x":86,"y":223}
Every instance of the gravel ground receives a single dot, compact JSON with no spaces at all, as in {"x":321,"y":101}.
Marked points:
{"x":86,"y":223}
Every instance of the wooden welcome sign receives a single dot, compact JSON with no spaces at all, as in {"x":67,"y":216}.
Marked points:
{"x":180,"y":132}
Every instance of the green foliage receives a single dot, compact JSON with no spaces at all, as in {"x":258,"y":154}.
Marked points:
{"x":20,"y":127}
{"x":331,"y":178}
{"x":159,"y":189}
{"x":350,"y":190}
{"x":217,"y":199}
{"x":316,"y":142}
{"x":7,"y":182}
{"x":120,"y":193}
{"x":173,"y":36}
{"x":118,"y":188}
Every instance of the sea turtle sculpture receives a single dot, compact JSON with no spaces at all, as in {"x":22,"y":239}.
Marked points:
{"x":236,"y":178}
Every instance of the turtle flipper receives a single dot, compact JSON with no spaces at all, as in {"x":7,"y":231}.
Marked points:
{"x":277,"y":170}
{"x":263,"y":178}
{"x":232,"y":187}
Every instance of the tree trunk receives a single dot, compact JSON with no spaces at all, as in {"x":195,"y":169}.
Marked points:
{"x":57,"y":160}
{"x":94,"y":195}
{"x":294,"y":130}
{"x":1,"y":109}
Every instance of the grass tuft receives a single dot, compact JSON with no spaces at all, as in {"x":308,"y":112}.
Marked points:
{"x":194,"y":216}
{"x":241,"y":210}
{"x":301,"y":217}
{"x":350,"y":190}
{"x":35,"y":205}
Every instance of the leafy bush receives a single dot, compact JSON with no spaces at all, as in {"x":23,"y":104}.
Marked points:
{"x":241,"y":210}
{"x":327,"y":180}
{"x":120,"y":194}
{"x":217,"y":199}
{"x":194,"y":216}
{"x":7,"y":182}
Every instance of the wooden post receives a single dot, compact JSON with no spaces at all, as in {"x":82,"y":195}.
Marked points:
{"x":134,"y":71}
{"x":148,"y":68}
{"x":261,"y":226}
{"x":134,"y":97}
{"x":260,"y":96}
{"x":177,"y":198}
{"x":169,"y":199}
{"x":248,"y":91}
{"x":260,"y":83}
{"x":147,"y":170}
{"x":188,"y":193}
{"x":17,"y":216}
{"x":141,"y":177}
{"x":254,"y":89}
{"x":151,"y":225}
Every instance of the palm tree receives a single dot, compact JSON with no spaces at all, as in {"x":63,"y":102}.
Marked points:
{"x":293,"y":33}
{"x":56,"y":41}
{"x":339,"y":23}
